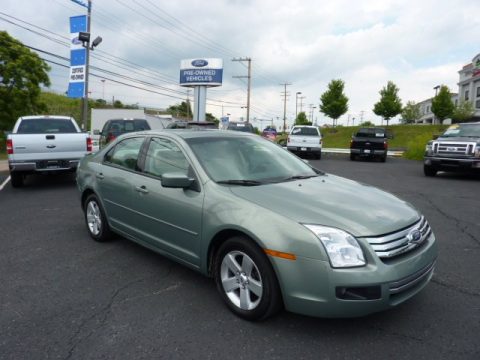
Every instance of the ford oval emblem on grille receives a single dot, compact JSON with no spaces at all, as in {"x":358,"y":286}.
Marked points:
{"x":451,"y":149}
{"x":199,"y":63}
{"x":414,"y":235}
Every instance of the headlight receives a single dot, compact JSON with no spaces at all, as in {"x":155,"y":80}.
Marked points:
{"x":342,"y":248}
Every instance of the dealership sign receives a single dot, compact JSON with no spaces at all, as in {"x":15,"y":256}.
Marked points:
{"x":78,"y":58}
{"x":201,"y":72}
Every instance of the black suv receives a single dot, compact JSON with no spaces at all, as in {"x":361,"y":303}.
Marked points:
{"x":116,"y":127}
{"x":240,"y":126}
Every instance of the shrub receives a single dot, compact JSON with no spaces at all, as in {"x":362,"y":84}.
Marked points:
{"x":416,"y":147}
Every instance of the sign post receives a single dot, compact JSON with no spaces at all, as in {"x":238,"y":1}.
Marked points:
{"x":200,"y":74}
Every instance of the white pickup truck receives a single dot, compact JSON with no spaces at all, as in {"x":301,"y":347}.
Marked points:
{"x":45,"y":144}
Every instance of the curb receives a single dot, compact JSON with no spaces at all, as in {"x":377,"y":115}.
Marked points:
{"x":347,"y":151}
{"x":3,"y":165}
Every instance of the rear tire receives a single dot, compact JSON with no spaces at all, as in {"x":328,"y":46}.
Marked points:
{"x":246,"y":280}
{"x":429,"y":171}
{"x":97,"y":224}
{"x":318,"y":156}
{"x":352,"y":157}
{"x":383,"y":158}
{"x":16,"y":179}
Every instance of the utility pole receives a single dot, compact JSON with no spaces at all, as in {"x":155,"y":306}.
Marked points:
{"x":249,"y":78}
{"x":361,"y":115}
{"x":284,"y":94}
{"x":301,"y":102}
{"x":87,"y":62}
{"x":188,"y":104}
{"x":296,"y":104}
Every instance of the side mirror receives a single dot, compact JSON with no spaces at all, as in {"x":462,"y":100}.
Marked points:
{"x":176,"y":180}
{"x":435,"y":136}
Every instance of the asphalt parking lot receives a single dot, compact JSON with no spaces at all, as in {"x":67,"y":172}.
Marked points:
{"x":64,"y":296}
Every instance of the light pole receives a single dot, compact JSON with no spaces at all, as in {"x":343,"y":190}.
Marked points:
{"x":296,"y":104}
{"x":245,"y":107}
{"x":313,"y":109}
{"x":436,"y":92}
{"x":103,"y":89}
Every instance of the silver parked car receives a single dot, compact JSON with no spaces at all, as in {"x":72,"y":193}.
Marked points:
{"x":271,"y":230}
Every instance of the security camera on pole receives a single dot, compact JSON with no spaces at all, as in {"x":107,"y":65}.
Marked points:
{"x":200,"y":73}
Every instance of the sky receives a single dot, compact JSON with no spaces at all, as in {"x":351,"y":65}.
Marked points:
{"x":415,"y":44}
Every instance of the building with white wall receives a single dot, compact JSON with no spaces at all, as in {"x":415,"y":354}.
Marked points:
{"x":468,"y":90}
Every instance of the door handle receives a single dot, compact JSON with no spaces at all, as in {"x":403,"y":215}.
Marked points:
{"x":142,"y":189}
{"x":100,"y":176}
{"x":51,"y":146}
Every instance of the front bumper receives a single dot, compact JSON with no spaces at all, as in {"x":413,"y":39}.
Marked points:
{"x":312,"y":287}
{"x":452,"y":164}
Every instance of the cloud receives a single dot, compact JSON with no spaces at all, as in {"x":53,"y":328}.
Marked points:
{"x":415,"y":44}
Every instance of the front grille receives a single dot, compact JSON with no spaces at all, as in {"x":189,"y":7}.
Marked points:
{"x":400,"y":242}
{"x":408,"y":282}
{"x":454,"y":148}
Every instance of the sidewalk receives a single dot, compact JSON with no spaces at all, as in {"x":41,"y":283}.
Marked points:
{"x":3,"y":165}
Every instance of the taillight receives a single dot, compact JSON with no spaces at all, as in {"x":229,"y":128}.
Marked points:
{"x":9,"y":146}
{"x":351,"y":142}
{"x":385,"y":145}
{"x":320,"y":142}
{"x":89,"y":144}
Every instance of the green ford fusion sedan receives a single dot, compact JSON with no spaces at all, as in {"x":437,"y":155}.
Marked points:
{"x":271,"y":230}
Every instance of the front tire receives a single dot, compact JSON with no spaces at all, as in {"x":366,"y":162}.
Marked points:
{"x":16,"y":179}
{"x":429,"y":171}
{"x":95,"y":219}
{"x":246,"y":280}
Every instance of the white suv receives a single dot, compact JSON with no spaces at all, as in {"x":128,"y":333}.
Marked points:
{"x":304,"y":139}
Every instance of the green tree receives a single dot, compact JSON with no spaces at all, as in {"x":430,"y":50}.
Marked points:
{"x":302,"y":119}
{"x":182,"y":110}
{"x":366,"y":123}
{"x":389,"y":104}
{"x":411,"y":112}
{"x":442,"y":105}
{"x":21,"y":74}
{"x":463,"y":111}
{"x":333,"y":102}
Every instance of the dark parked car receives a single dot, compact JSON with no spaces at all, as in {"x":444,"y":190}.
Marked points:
{"x":116,"y":127}
{"x":369,"y":143}
{"x":240,"y":126}
{"x":271,"y":230}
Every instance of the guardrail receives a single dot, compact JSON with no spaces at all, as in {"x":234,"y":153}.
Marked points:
{"x":347,"y":151}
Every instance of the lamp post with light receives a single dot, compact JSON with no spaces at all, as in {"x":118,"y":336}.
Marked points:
{"x":296,"y":104}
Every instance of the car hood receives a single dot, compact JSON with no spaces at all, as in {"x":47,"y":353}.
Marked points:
{"x":459,"y":139}
{"x":330,"y":200}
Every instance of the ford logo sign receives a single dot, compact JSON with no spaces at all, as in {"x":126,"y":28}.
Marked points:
{"x":414,"y":235}
{"x":199,"y":63}
{"x":75,"y":41}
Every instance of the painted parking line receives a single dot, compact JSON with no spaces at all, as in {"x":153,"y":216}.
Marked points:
{"x":4,"y":183}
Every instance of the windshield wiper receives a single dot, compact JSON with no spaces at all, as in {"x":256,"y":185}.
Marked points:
{"x":299,"y":177}
{"x":240,"y":182}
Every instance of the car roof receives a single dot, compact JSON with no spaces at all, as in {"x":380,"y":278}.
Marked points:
{"x":194,"y":133}
{"x":308,"y":126}
{"x":46,"y":117}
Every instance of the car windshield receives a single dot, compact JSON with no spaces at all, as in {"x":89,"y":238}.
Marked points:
{"x":46,"y":126}
{"x":247,"y":160}
{"x":241,"y":127}
{"x":306,"y":131}
{"x":463,"y":130}
{"x":372,"y":132}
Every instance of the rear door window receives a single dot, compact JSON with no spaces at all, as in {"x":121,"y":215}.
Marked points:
{"x":126,"y":153}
